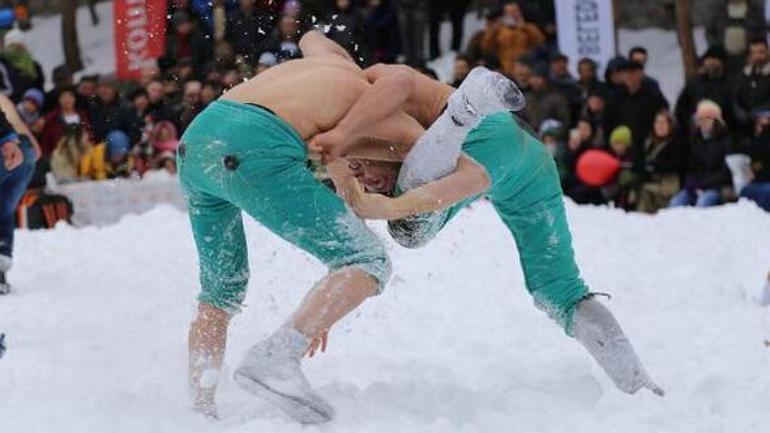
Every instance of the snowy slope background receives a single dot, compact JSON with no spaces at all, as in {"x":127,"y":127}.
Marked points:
{"x":97,"y":328}
{"x":98,"y":320}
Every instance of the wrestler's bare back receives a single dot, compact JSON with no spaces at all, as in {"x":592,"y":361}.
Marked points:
{"x":311,"y":94}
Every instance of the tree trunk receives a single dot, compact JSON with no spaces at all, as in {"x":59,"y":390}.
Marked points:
{"x":69,"y":34}
{"x":686,"y":41}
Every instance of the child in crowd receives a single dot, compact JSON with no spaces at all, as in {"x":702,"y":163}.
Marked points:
{"x":622,"y":189}
{"x":30,"y":106}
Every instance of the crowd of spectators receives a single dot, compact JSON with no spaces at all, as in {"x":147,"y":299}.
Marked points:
{"x":99,"y":128}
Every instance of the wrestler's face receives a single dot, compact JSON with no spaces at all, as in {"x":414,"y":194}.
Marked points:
{"x":376,"y":176}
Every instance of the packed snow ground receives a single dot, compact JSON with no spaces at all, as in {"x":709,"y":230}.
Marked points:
{"x":97,"y":327}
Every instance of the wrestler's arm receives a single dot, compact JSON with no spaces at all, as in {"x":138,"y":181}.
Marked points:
{"x":316,"y":44}
{"x":468,"y":180}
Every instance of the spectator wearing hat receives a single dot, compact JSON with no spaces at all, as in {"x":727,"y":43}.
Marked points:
{"x":552,"y":135}
{"x":247,"y":30}
{"x":707,"y":175}
{"x":758,"y":147}
{"x":615,"y":75}
{"x":186,"y":42}
{"x":634,"y":105}
{"x":18,"y":70}
{"x":752,"y":89}
{"x":31,"y":106}
{"x":712,"y":83}
{"x":664,"y":161}
{"x":511,"y":36}
{"x":543,"y":101}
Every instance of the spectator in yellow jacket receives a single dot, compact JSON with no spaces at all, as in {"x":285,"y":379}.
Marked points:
{"x":511,"y":36}
{"x":76,"y":158}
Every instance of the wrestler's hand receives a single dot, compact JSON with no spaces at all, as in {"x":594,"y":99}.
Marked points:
{"x":12,"y":155}
{"x":318,"y":343}
{"x":331,"y":144}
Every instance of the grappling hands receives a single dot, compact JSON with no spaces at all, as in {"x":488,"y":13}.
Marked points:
{"x":331,"y":144}
{"x":12,"y":155}
{"x":365,"y":205}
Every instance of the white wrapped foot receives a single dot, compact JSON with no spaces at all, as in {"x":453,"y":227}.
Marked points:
{"x":271,"y":370}
{"x":483,"y":92}
{"x":596,"y":328}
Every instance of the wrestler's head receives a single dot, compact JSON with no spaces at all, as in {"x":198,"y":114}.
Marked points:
{"x":376,"y":176}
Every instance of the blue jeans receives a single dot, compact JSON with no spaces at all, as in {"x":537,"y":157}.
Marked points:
{"x":706,"y":198}
{"x":759,"y":192}
{"x":13,"y":184}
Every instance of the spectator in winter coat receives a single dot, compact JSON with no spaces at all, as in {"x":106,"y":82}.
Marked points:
{"x":759,"y":150}
{"x":640,"y":55}
{"x":383,"y":31}
{"x":615,"y":75}
{"x":733,"y":24}
{"x":707,"y":175}
{"x":563,"y":81}
{"x":664,"y":160}
{"x":621,"y":189}
{"x":711,"y":83}
{"x":635,"y":106}
{"x":348,"y":29}
{"x":543,"y":101}
{"x":109,"y":113}
{"x":475,"y":50}
{"x":55,"y":122}
{"x":76,"y":158}
{"x":595,"y":112}
{"x":19,"y":70}
{"x":247,"y":30}
{"x":588,"y":80}
{"x":62,"y":77}
{"x":30,"y":106}
{"x":511,"y":36}
{"x":752,"y":89}
{"x":455,"y":9}
{"x":186,"y":42}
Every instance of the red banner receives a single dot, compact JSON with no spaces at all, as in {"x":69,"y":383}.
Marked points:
{"x":140,"y":35}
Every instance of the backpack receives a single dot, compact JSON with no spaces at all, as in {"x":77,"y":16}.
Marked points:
{"x":39,"y":210}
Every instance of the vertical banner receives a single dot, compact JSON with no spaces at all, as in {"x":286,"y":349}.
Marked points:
{"x":140,"y":35}
{"x":586,"y":28}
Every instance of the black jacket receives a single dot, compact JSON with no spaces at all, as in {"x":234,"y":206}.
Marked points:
{"x":664,"y":157}
{"x":707,"y":167}
{"x":752,"y":91}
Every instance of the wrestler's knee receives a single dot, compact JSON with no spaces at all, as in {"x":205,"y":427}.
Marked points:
{"x":226,"y":294}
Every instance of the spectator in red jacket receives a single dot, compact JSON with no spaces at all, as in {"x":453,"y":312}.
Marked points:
{"x":55,"y":121}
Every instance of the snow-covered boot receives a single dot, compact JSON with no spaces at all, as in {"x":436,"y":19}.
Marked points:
{"x":271,"y":370}
{"x":483,"y":92}
{"x":597,"y":330}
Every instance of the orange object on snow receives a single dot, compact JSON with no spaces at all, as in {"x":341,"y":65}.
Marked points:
{"x":597,"y":168}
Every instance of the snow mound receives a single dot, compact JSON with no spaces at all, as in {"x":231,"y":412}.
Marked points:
{"x":97,"y":327}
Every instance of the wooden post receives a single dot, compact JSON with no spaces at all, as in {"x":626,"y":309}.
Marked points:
{"x":686,"y":41}
{"x":69,"y":32}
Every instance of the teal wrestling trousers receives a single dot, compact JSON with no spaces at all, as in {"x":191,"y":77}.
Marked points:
{"x":526,"y":193}
{"x":237,"y":157}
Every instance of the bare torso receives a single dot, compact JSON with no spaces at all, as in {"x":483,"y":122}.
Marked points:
{"x":310,"y":94}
